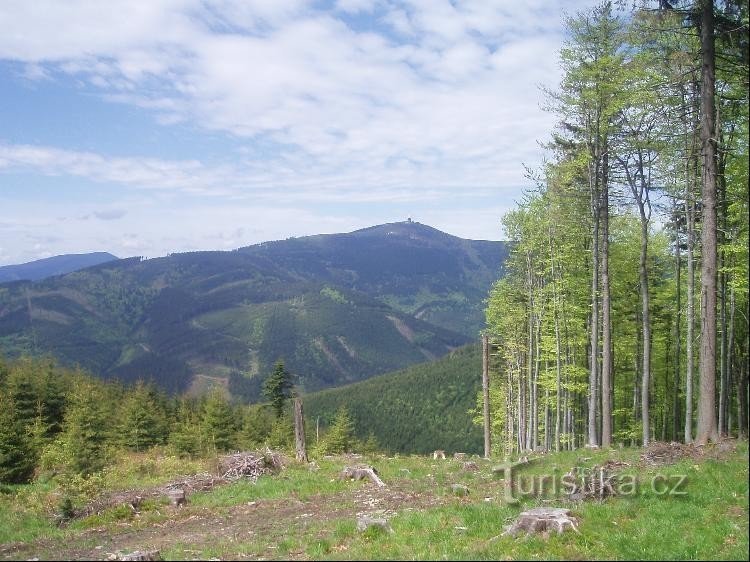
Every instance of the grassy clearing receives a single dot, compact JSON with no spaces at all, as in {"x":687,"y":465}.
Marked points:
{"x":308,"y":513}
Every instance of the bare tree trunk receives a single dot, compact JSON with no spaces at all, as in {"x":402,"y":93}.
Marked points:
{"x":486,"y":393}
{"x":535,"y":387}
{"x":707,"y":429}
{"x":299,"y":431}
{"x":689,"y":354}
{"x":742,"y":398}
{"x":606,"y":373}
{"x":731,"y":377}
{"x":646,"y":329}
{"x":677,"y":341}
{"x":593,"y":398}
{"x":558,"y":355}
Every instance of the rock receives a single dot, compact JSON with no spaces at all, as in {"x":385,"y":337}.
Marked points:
{"x":543,"y":520}
{"x":460,"y":490}
{"x":459,"y":456}
{"x":470,"y":466}
{"x":140,"y":555}
{"x":177,"y":496}
{"x":365,"y":522}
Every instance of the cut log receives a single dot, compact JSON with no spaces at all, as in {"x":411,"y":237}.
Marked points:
{"x":360,"y":472}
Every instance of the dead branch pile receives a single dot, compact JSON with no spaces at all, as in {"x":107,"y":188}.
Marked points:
{"x":231,"y":467}
{"x":250,"y":465}
{"x":598,"y":482}
{"x":669,"y":453}
{"x":202,"y":482}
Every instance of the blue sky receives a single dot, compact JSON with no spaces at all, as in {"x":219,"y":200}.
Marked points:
{"x":145,"y":128}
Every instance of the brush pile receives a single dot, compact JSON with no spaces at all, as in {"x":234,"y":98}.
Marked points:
{"x":250,"y":465}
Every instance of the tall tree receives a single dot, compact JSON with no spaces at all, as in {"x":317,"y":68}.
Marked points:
{"x":277,"y":388}
{"x":707,"y":429}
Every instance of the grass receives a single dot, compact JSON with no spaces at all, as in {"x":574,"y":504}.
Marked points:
{"x":309,"y":514}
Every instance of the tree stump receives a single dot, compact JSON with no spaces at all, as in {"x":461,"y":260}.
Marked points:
{"x":140,"y":555}
{"x":365,"y":522}
{"x":360,"y":472}
{"x":177,"y":497}
{"x":460,"y":490}
{"x":543,"y":520}
{"x":299,"y":431}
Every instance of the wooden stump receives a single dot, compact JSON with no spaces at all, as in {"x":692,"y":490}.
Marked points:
{"x":360,"y":472}
{"x":177,"y":496}
{"x":365,"y":522}
{"x":543,"y":520}
{"x":140,"y":555}
{"x":299,"y":431}
{"x":460,"y":490}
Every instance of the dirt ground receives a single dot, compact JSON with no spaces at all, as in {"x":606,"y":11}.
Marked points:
{"x":199,"y":528}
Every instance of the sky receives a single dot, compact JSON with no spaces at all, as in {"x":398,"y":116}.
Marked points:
{"x":152,"y":127}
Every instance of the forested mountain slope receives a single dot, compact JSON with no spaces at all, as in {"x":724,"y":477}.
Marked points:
{"x":415,"y":410}
{"x":337,"y":308}
{"x":56,"y":265}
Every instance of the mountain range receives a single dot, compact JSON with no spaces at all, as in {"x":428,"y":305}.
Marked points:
{"x":336,"y":308}
{"x":49,"y":267}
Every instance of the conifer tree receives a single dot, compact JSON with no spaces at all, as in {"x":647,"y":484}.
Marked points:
{"x":16,"y":460}
{"x":184,"y":436}
{"x":141,"y":419}
{"x":278,"y":387}
{"x":85,"y":427}
{"x":340,"y":437}
{"x":217,"y":423}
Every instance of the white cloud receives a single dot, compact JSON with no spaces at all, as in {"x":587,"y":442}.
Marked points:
{"x":432,"y":97}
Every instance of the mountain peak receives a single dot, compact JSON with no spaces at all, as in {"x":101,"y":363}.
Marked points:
{"x":407,"y":229}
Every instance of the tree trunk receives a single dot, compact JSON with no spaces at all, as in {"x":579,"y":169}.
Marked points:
{"x":689,"y":354}
{"x":677,"y":341}
{"x":299,"y":431}
{"x":593,"y":398}
{"x":646,"y":328}
{"x":606,"y":373}
{"x":707,"y":429}
{"x":486,"y":393}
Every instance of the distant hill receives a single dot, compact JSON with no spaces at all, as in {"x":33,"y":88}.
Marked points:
{"x":415,"y":410}
{"x":336,"y":308}
{"x":56,"y":265}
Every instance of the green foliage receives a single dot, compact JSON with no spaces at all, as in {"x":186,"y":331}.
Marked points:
{"x":86,"y":429}
{"x":257,"y":424}
{"x":218,"y":424}
{"x":416,"y":410}
{"x":142,"y":423}
{"x":278,"y":387}
{"x":340,"y":437}
{"x":16,"y":458}
{"x":281,"y":435}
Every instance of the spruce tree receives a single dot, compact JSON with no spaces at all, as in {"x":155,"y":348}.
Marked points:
{"x":141,"y":420}
{"x":185,"y":433}
{"x":278,"y":387}
{"x":217,"y":423}
{"x":16,"y":460}
{"x":85,"y":427}
{"x":340,"y":437}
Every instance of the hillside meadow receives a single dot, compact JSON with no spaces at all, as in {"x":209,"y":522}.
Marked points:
{"x":305,"y":512}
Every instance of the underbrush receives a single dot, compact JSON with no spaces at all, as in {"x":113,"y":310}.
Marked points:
{"x":706,"y":517}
